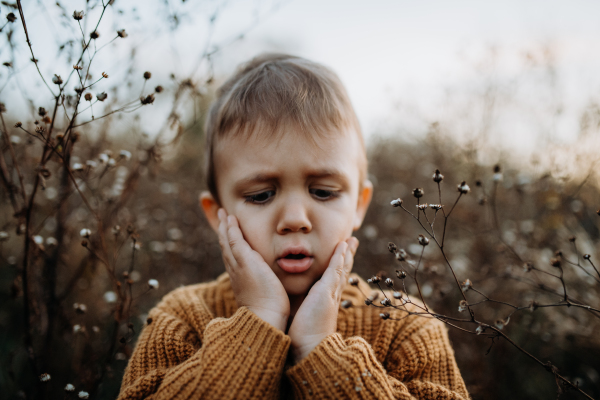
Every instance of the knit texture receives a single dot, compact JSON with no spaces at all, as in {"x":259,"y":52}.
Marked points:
{"x":198,"y":344}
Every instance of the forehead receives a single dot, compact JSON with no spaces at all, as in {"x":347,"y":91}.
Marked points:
{"x":288,"y":151}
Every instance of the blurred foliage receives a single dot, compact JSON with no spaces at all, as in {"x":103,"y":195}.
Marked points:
{"x":89,"y":293}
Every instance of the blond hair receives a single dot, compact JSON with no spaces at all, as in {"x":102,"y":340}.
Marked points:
{"x":276,"y":89}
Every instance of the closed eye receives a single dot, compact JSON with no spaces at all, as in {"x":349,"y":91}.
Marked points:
{"x":323,"y":194}
{"x":260,"y":198}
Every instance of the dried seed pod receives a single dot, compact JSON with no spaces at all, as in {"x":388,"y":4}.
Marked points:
{"x":401,"y":274}
{"x":423,"y":241}
{"x":418,"y":192}
{"x":437,"y":176}
{"x":389,"y":282}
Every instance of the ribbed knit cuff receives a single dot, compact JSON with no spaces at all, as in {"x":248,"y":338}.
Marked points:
{"x":246,"y":332}
{"x":340,"y":369}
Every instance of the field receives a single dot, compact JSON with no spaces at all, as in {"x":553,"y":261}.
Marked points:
{"x":96,"y":226}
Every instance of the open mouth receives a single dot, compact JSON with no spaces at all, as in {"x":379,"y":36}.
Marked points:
{"x":295,"y":263}
{"x":295,"y":256}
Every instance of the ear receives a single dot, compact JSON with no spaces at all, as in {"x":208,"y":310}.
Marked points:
{"x":211,"y":208}
{"x":364,"y":199}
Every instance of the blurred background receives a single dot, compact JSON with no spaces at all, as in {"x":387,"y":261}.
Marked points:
{"x":462,"y":86}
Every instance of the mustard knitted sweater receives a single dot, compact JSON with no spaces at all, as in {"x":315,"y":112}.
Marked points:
{"x":198,"y":344}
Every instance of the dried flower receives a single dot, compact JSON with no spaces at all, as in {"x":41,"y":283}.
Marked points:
{"x":158,"y":89}
{"x":4,"y":236}
{"x":102,"y":96}
{"x":480,"y":329}
{"x":401,"y":274}
{"x":437,"y":176}
{"x":11,"y":17}
{"x":153,"y":283}
{"x":418,"y":192}
{"x":105,"y":75}
{"x":41,"y":111}
{"x":85,"y":233}
{"x":555,"y":262}
{"x":77,"y":167}
{"x":463,"y":188}
{"x":148,"y":99}
{"x":95,"y":35}
{"x":533,"y":305}
{"x":80,"y":308}
{"x":37,"y":239}
{"x":386,"y":302}
{"x":423,"y":241}
{"x":392,"y":248}
{"x":18,"y":124}
{"x":40,"y":130}
{"x":147,"y":75}
{"x":91,"y":163}
{"x":103,"y":158}
{"x":45,"y":377}
{"x":125,"y":154}
{"x":77,"y":67}
{"x":122,"y":34}
{"x":501,"y":323}
{"x":528,"y":266}
{"x":397,"y":295}
{"x":389,"y":282}
{"x":462,"y":306}
{"x":396,"y":203}
{"x":497,"y":173}
{"x":368,"y":302}
{"x":353,"y":281}
{"x":69,"y":388}
{"x":422,"y":207}
{"x":466,"y":285}
{"x":78,"y":15}
{"x":346,"y":304}
{"x":587,"y":256}
{"x":436,"y":207}
{"x":401,"y":255}
{"x":375,"y":279}
{"x":572,"y":239}
{"x":57,"y":80}
{"x":110,"y":296}
{"x":384,"y":315}
{"x":83,"y":395}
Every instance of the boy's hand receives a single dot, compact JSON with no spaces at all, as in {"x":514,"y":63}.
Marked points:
{"x":254,"y":284}
{"x":317,"y":316}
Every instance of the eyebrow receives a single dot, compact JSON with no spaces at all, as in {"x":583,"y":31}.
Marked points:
{"x":271,"y":177}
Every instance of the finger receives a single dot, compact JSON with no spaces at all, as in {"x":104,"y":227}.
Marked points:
{"x":349,"y":258}
{"x":240,"y":249}
{"x":224,"y":241}
{"x":335,"y":271}
{"x":352,"y":244}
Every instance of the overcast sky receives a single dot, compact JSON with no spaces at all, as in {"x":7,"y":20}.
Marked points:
{"x":404,"y":63}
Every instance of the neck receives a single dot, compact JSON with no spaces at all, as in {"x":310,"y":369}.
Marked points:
{"x":295,"y":303}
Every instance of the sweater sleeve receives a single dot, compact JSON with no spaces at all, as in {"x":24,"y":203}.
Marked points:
{"x":421,"y":367}
{"x":237,"y":357}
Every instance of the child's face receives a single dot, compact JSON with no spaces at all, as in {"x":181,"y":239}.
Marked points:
{"x":295,"y":199}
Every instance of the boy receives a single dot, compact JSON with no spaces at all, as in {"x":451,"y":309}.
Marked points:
{"x":287,"y":178}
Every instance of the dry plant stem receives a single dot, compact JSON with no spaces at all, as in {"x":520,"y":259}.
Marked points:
{"x":549,"y":367}
{"x":564,"y":302}
{"x":31,"y":48}
{"x":14,"y":159}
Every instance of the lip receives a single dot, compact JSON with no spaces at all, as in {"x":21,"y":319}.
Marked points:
{"x":295,"y":266}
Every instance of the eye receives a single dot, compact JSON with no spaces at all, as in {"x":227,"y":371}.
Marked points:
{"x":323,"y":194}
{"x":260,"y":198}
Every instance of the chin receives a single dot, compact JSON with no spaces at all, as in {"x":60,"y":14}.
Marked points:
{"x":297,"y":285}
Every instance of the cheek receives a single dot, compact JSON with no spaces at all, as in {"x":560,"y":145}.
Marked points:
{"x":254,"y":230}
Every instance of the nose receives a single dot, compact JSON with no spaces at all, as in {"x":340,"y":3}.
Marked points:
{"x":293,"y":217}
